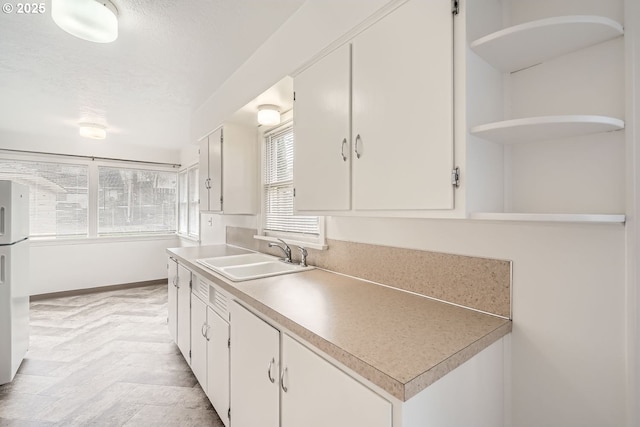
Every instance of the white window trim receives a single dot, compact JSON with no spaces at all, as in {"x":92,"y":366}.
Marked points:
{"x":187,"y":235}
{"x":296,"y":239}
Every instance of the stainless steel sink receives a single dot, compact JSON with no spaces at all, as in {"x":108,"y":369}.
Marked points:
{"x":250,"y":266}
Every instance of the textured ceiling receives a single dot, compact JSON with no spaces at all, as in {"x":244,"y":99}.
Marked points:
{"x":169,"y":57}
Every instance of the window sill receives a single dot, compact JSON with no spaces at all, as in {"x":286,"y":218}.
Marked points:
{"x":53,"y":241}
{"x":302,"y":243}
{"x":194,"y":239}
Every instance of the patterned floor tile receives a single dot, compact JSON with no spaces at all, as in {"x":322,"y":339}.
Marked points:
{"x":104,"y":359}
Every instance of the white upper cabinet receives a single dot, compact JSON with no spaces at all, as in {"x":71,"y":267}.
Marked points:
{"x":322,"y":168}
{"x":399,"y":152}
{"x":403,"y":110}
{"x":229,"y":170}
{"x":210,"y":172}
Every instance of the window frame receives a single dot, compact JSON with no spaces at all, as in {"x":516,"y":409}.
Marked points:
{"x":296,"y":239}
{"x":55,"y":160}
{"x":189,"y":235}
{"x":137,"y":167}
{"x":92,"y":207}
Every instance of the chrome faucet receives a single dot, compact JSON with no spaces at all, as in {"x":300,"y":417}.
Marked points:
{"x":286,"y":249}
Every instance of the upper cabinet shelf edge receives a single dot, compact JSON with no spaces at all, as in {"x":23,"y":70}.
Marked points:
{"x":521,"y":46}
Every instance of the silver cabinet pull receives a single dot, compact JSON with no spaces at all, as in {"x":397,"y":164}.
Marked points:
{"x":269,"y":369}
{"x":358,"y":140}
{"x":203,"y":332}
{"x":344,"y":143}
{"x":284,"y":387}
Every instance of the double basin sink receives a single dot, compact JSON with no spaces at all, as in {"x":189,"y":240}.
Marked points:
{"x":250,"y":266}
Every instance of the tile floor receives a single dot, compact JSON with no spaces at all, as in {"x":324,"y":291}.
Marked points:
{"x":104,"y":359}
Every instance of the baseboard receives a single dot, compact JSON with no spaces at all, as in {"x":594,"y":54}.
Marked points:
{"x":97,"y":289}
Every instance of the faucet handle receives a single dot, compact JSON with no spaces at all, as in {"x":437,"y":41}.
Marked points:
{"x":303,"y":256}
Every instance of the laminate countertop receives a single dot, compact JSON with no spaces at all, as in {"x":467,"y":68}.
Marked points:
{"x":399,"y":341}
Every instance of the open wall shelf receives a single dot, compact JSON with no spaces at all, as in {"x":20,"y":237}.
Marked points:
{"x":531,"y":43}
{"x":545,"y":128}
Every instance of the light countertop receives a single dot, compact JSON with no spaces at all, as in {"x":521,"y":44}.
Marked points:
{"x":399,"y":341}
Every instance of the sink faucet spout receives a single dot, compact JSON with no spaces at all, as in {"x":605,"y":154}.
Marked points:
{"x":285,"y":248}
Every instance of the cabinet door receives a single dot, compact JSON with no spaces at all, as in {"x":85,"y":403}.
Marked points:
{"x":215,"y":171}
{"x":199,"y":333}
{"x":403,"y":109}
{"x":319,"y":394}
{"x":210,"y":171}
{"x":218,"y":364}
{"x":172,"y":298}
{"x":322,"y":158}
{"x":184,"y":311}
{"x":255,"y":349}
{"x":203,"y":174}
{"x":241,"y":169}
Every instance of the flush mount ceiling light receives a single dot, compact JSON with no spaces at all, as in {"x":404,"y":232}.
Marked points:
{"x":92,"y":130}
{"x":268,"y":115}
{"x":92,"y":20}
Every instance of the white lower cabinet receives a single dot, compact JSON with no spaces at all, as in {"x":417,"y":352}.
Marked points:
{"x":199,"y":338}
{"x":318,"y":394}
{"x":179,"y":302}
{"x":218,"y":364}
{"x":172,"y":298}
{"x":210,"y":348}
{"x":292,"y":386}
{"x":255,"y":360}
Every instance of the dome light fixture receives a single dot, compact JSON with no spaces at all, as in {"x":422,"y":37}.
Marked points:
{"x":93,"y":131}
{"x":92,"y":20}
{"x":268,"y":115}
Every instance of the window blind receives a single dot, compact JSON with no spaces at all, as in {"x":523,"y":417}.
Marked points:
{"x":136,"y":201}
{"x":58,"y":195}
{"x":278,"y":187}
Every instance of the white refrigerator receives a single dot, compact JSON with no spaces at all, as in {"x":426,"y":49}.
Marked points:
{"x":14,"y":277}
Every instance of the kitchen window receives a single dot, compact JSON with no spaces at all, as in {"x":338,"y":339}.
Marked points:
{"x":188,"y":203}
{"x":79,"y":198}
{"x":136,"y":201}
{"x":279,"y":219}
{"x":58,"y":195}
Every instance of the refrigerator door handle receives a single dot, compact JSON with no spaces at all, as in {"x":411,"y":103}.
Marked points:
{"x":2,"y":221}
{"x":2,"y":269}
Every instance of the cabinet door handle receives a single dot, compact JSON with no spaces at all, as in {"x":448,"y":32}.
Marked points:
{"x":203,"y":332}
{"x":208,"y":184}
{"x":358,"y":140}
{"x":269,"y":369}
{"x":344,"y":143}
{"x":206,"y":333}
{"x":284,"y":387}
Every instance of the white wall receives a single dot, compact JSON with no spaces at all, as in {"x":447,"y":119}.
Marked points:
{"x":569,"y":338}
{"x":80,"y":264}
{"x":312,"y":28}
